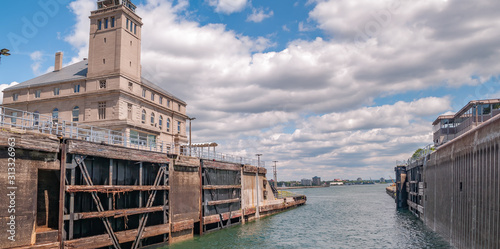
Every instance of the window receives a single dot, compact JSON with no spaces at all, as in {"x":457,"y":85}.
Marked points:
{"x":135,"y":29}
{"x":168,"y":102}
{"x":179,"y":127}
{"x":112,"y":22}
{"x":152,"y":97}
{"x":76,"y":89}
{"x":143,"y":117}
{"x":127,"y":23}
{"x":131,"y":26}
{"x":161,"y":100}
{"x":13,"y":118}
{"x":102,"y":84}
{"x":15,"y":96}
{"x":104,"y":39}
{"x":105,"y":23}
{"x":103,"y":61}
{"x":130,"y":86}
{"x":152,"y":119}
{"x":38,"y":93}
{"x":55,"y":115}
{"x":179,"y":107}
{"x":36,"y":117}
{"x":129,"y":111}
{"x":168,"y":124}
{"x":160,"y":122}
{"x":56,"y":91}
{"x":102,"y":110}
{"x":144,"y":93}
{"x":76,"y":113}
{"x":99,"y":24}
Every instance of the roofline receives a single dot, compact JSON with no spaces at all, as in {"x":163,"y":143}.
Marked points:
{"x":476,"y":102}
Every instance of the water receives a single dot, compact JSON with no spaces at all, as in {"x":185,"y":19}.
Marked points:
{"x":361,"y":216}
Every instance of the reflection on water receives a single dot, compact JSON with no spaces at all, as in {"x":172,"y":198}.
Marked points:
{"x":336,"y":217}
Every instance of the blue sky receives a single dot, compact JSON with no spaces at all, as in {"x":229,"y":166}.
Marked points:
{"x":338,"y":89}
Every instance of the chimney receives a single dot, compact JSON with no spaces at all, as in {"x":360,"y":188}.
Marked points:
{"x":59,"y":58}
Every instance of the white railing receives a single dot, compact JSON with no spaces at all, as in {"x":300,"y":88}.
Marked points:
{"x":13,"y":118}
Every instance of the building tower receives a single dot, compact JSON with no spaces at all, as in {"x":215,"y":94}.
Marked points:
{"x":115,"y":40}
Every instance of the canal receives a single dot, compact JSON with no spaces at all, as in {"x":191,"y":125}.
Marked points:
{"x":359,"y":216}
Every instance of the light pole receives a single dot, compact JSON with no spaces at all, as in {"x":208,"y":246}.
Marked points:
{"x":275,"y":175}
{"x":257,"y":211}
{"x":190,"y":119}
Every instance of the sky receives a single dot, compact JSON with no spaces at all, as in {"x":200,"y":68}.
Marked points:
{"x":329,"y":88}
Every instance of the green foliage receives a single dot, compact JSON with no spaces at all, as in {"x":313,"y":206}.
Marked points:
{"x":4,"y":52}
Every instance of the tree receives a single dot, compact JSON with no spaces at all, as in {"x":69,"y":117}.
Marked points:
{"x":4,"y":52}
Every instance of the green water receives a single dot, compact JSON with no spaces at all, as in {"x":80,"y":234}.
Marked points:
{"x":361,"y":216}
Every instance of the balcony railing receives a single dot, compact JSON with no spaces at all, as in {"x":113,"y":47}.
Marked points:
{"x":23,"y":120}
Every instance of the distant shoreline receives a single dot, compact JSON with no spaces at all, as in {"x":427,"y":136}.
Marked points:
{"x":297,"y":187}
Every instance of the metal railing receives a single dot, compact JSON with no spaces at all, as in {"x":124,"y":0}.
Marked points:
{"x":421,"y":155}
{"x":13,"y":118}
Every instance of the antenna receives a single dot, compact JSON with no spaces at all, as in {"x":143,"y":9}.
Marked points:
{"x":275,"y":175}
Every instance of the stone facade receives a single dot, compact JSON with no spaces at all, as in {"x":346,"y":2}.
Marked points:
{"x":106,"y":90}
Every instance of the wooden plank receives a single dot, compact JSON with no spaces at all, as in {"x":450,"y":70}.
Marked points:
{"x":114,"y":188}
{"x":182,"y":225}
{"x":52,"y":245}
{"x":115,"y":213}
{"x":123,"y":236}
{"x":115,"y":152}
{"x":225,"y":216}
{"x":221,"y":165}
{"x":250,"y":210}
{"x":212,"y":203}
{"x":262,"y":170}
{"x":221,"y":186}
{"x":29,"y":140}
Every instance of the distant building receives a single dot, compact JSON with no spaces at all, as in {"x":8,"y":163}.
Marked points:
{"x":382,"y":180}
{"x":336,"y":183}
{"x":359,"y":179}
{"x":316,"y":181}
{"x":306,"y":182}
{"x":448,"y":127}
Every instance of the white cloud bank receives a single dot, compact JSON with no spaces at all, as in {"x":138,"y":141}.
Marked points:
{"x":306,"y":105}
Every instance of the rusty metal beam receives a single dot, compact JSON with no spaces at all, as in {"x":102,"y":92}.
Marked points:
{"x":144,"y":217}
{"x":86,"y":176}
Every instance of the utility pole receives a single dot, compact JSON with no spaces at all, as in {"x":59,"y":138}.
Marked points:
{"x":190,"y":119}
{"x":275,"y":172}
{"x":257,"y":211}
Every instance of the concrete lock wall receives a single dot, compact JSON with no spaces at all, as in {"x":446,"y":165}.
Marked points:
{"x":462,"y":190}
{"x":20,"y":166}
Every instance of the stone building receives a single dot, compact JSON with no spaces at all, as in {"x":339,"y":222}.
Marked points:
{"x":107,"y":89}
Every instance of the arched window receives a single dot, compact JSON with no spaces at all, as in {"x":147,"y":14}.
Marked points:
{"x":160,"y":122}
{"x":143,"y":117}
{"x":152,"y":119}
{"x":76,"y":113}
{"x":55,"y":115}
{"x":168,"y":124}
{"x":36,"y":118}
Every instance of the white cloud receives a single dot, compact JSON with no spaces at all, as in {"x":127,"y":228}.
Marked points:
{"x":3,"y":86}
{"x":285,"y":28}
{"x":79,"y":38}
{"x":228,"y":6}
{"x":37,"y":58}
{"x":305,"y":105}
{"x":258,"y":15}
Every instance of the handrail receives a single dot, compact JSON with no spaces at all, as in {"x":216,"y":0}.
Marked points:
{"x":48,"y":125}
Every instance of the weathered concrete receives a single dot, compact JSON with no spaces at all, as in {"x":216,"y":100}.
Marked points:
{"x":462,"y":193}
{"x":105,"y":184}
